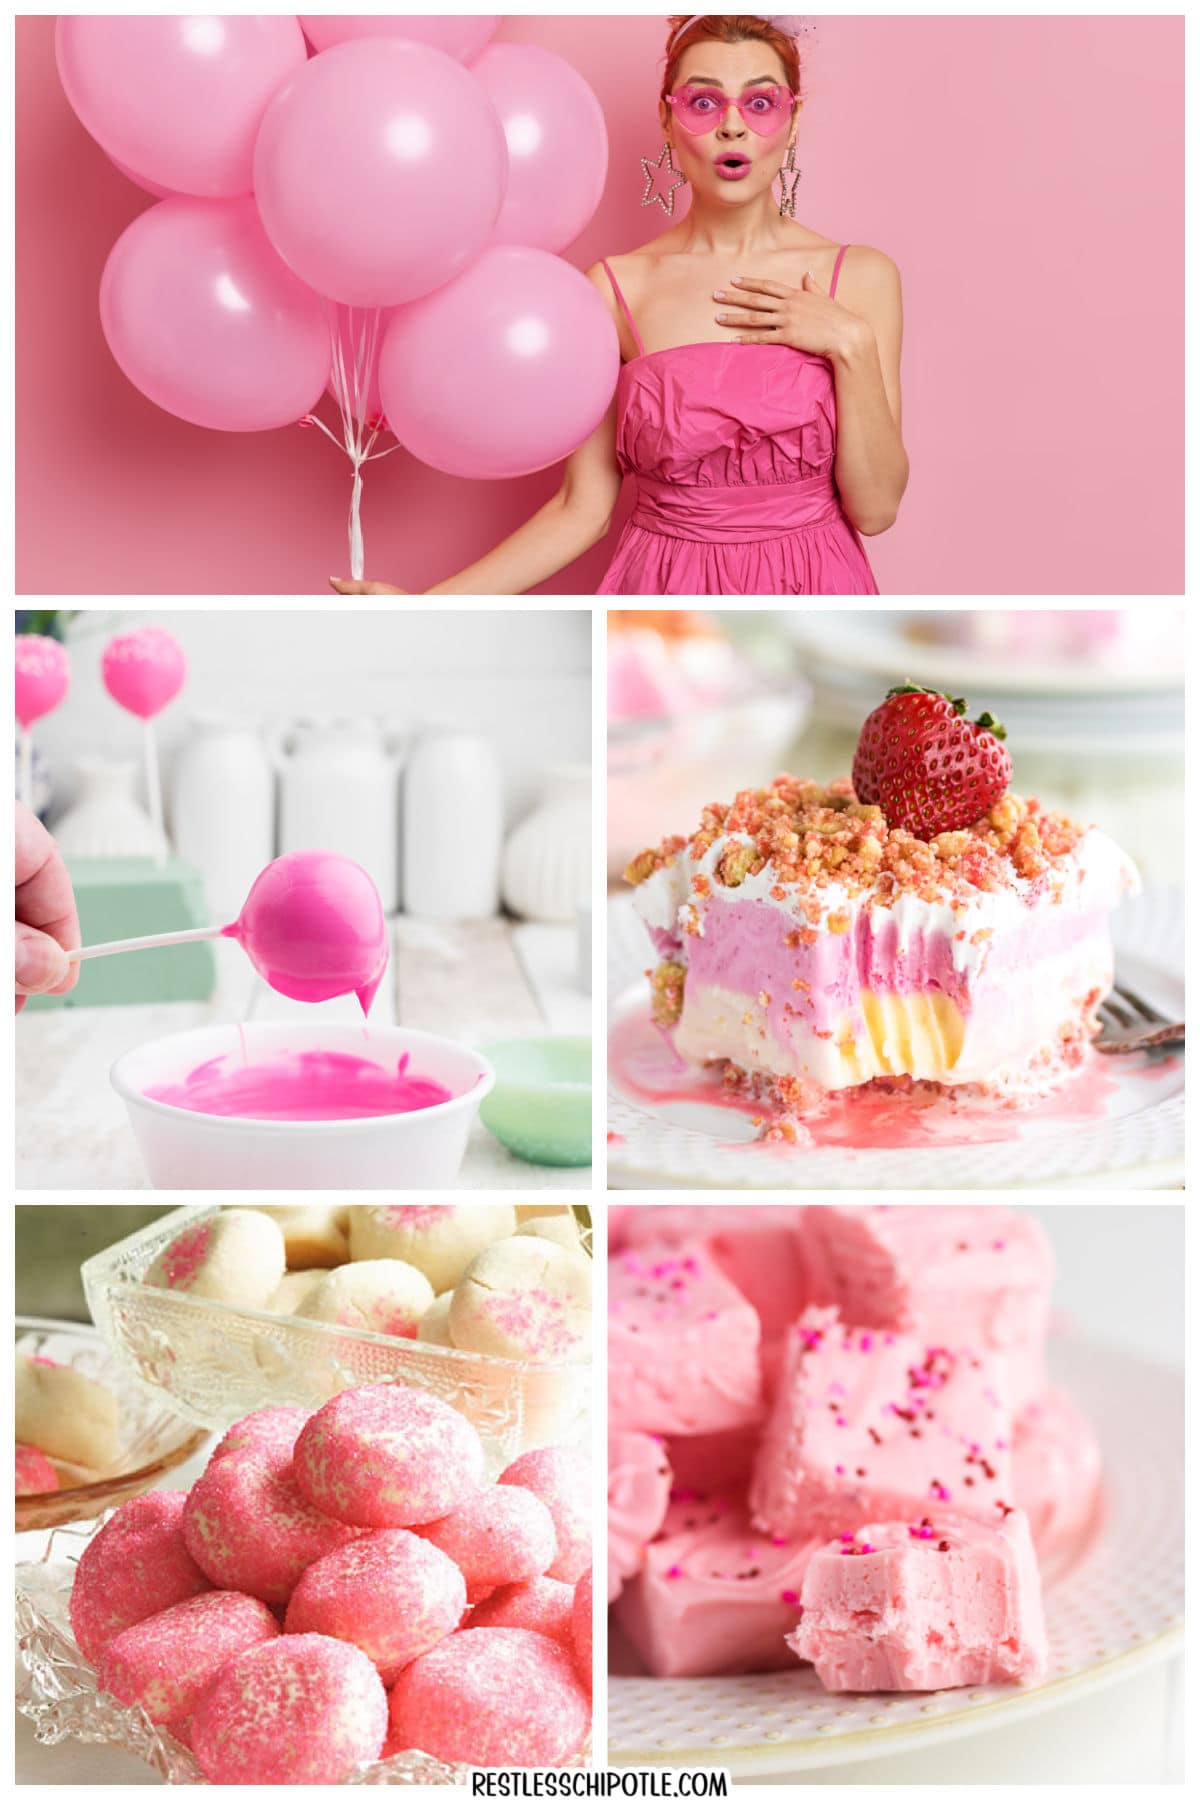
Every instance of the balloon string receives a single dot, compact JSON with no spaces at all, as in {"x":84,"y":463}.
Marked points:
{"x":359,"y":433}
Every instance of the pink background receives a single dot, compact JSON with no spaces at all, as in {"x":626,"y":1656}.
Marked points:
{"x":1025,"y":173}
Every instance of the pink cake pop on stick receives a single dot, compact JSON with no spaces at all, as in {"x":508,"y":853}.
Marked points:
{"x":43,"y":676}
{"x":312,"y":925}
{"x":143,"y":670}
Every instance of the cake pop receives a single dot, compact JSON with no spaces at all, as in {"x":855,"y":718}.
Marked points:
{"x":143,"y":670}
{"x":43,"y":674}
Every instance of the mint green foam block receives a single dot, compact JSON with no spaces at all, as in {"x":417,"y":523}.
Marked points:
{"x":128,"y":896}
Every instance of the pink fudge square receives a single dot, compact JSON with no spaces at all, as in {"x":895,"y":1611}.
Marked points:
{"x":682,"y":1345}
{"x":639,"y":1489}
{"x":951,"y":1274}
{"x":936,"y":1604}
{"x":875,"y":1424}
{"x":1056,"y":1473}
{"x":715,"y":1597}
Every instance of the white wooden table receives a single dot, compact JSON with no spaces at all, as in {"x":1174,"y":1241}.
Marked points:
{"x":478,"y":982}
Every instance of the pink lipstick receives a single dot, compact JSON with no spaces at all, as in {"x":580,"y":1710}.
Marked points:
{"x":733,"y":167}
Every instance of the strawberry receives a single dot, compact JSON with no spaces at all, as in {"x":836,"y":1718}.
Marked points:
{"x":929,"y":767}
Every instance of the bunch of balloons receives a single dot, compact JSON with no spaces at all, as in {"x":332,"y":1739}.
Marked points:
{"x":367,"y":204}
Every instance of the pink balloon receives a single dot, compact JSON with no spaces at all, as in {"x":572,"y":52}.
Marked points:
{"x":505,"y":370}
{"x":461,"y":35}
{"x":207,"y":322}
{"x":358,"y":334}
{"x":178,"y":96}
{"x":557,"y":144}
{"x":43,"y":676}
{"x":379,"y":171}
{"x":143,"y":670}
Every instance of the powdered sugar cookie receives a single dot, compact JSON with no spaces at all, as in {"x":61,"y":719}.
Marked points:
{"x":236,"y":1256}
{"x":526,"y":1300}
{"x":388,"y":1455}
{"x":313,"y":1236}
{"x":561,"y":1229}
{"x":36,"y":1474}
{"x":293,"y":1289}
{"x":439,"y":1240}
{"x":302,"y":1710}
{"x":502,"y":1535}
{"x":433,"y":1327}
{"x":389,"y":1592}
{"x":137,"y":1564}
{"x":540,"y":1604}
{"x":491,"y":1698}
{"x":559,"y":1478}
{"x":164,"y":1663}
{"x":65,"y":1413}
{"x":249,"y":1527}
{"x":388,"y":1297}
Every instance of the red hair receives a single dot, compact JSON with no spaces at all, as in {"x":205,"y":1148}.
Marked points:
{"x":729,"y":28}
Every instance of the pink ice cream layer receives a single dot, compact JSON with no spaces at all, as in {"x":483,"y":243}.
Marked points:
{"x":715,"y":1597}
{"x":309,"y":1084}
{"x":870,"y":1424}
{"x":639,"y":1488}
{"x":948,"y":1274}
{"x":924,"y":1605}
{"x":682,"y":1345}
{"x":1056,"y":1473}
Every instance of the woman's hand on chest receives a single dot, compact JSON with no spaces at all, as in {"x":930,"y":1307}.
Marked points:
{"x":804,"y":317}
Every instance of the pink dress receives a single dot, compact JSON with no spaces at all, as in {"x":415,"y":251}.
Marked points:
{"x":732,"y":449}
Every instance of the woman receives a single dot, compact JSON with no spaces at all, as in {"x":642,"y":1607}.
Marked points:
{"x":758,"y":406}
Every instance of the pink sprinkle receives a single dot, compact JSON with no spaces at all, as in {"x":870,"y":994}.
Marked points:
{"x":838,"y":1469}
{"x":674,"y":1572}
{"x":866,"y":1341}
{"x":998,"y":1244}
{"x":847,"y":1537}
{"x":790,"y":1597}
{"x":779,"y":1541}
{"x":867,"y":1550}
{"x":839,"y":1420}
{"x":889,"y":1337}
{"x":939,"y":1490}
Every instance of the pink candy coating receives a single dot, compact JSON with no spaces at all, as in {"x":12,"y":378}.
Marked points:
{"x":313,"y":926}
{"x":249,"y":1526}
{"x":388,"y":1455}
{"x":502,"y":1535}
{"x":581,"y":1630}
{"x":491,"y":1698}
{"x":143,"y":670}
{"x":300,"y":1710}
{"x":36,"y":1474}
{"x":166,"y":1662}
{"x":271,"y":1431}
{"x":541,"y":1604}
{"x":43,"y":676}
{"x":391,"y":1593}
{"x":559,"y":1478}
{"x":137,"y":1564}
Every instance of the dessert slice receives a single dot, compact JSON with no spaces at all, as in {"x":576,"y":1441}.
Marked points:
{"x":871,"y":1424}
{"x":921,"y":922}
{"x":1056,"y":1468}
{"x":639,"y":1489}
{"x":715,"y":1597}
{"x":933,"y":1604}
{"x":947,"y":1274}
{"x":682,"y":1344}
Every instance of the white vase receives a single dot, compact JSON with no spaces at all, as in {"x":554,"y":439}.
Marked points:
{"x":339,"y":790}
{"x":548,"y":858}
{"x":223,"y":809}
{"x":105,"y":818}
{"x":453,"y":822}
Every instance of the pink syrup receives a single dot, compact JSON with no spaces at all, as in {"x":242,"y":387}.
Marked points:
{"x":313,"y":927}
{"x":302,"y":1085}
{"x":878,"y":1116}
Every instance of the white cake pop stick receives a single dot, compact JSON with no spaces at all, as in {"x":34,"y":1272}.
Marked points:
{"x":27,"y":767}
{"x":194,"y":936}
{"x":154,"y":789}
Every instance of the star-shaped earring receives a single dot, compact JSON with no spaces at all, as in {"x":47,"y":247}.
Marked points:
{"x":666,"y":163}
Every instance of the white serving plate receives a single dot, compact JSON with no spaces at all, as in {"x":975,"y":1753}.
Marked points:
{"x":1138,"y":1141}
{"x":1113,"y":1610}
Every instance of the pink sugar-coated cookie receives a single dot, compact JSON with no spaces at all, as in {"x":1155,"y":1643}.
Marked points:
{"x":43,"y":674}
{"x":540,"y":1604}
{"x":36,"y":1474}
{"x":581,"y":1629}
{"x":236,"y":1256}
{"x":391,"y":1593}
{"x":137,"y":1564}
{"x":559,"y":1478}
{"x":165,"y":1663}
{"x":492,"y":1699}
{"x":388,"y":1455}
{"x":272,"y":1431}
{"x":301,"y":1710}
{"x":143,"y":670}
{"x":249,"y":1526}
{"x":502,"y":1535}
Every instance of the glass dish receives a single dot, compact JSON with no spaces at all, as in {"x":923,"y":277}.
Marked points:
{"x":153,"y":1437}
{"x":217,"y":1362}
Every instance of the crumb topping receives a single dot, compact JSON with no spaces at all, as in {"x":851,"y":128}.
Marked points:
{"x":811,"y":835}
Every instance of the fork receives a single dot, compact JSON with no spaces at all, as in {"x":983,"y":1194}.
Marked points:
{"x":1128,"y":1024}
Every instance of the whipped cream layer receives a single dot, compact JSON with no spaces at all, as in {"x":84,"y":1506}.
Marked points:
{"x":922,"y":1605}
{"x":832,"y":985}
{"x":870,"y":1424}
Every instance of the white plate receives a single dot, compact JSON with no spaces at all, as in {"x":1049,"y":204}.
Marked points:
{"x":1114,"y":1609}
{"x":1139,"y":1138}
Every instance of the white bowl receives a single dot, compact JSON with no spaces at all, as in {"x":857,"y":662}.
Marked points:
{"x":398,"y":1150}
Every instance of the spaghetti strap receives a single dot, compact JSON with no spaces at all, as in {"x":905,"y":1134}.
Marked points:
{"x":624,"y":306}
{"x":837,"y":269}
